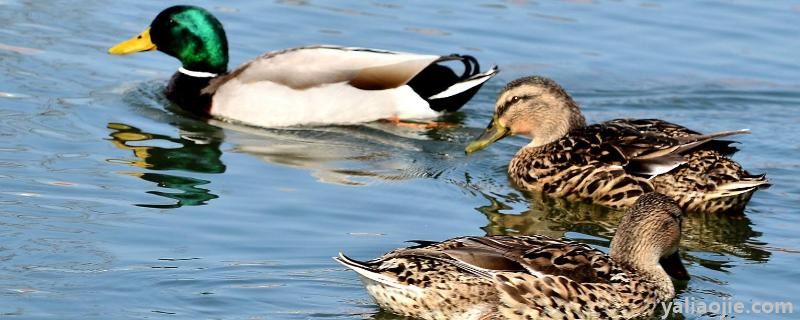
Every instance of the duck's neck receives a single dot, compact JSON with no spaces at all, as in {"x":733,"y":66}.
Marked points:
{"x":661,"y":280}
{"x":206,"y":68}
{"x":198,"y":74}
{"x":647,"y":268}
{"x":563,"y":120}
{"x":186,"y":90}
{"x":206,"y":57}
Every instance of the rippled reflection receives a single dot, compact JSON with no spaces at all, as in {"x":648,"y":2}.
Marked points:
{"x":547,"y":216}
{"x":192,"y":152}
{"x":190,"y":194}
{"x":353,"y":155}
{"x":732,"y":235}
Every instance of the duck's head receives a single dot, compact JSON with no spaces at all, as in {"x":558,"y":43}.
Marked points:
{"x":536,"y":107}
{"x":188,"y":33}
{"x":648,"y":236}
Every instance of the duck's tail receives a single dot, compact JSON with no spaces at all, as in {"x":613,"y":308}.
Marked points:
{"x":446,"y":91}
{"x":745,"y":184}
{"x":367,"y":273}
{"x":469,"y":83}
{"x":457,"y":94}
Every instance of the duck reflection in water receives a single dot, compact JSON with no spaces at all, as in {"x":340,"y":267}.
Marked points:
{"x":345,"y":155}
{"x":192,"y":153}
{"x":357,"y":155}
{"x":724,"y":234}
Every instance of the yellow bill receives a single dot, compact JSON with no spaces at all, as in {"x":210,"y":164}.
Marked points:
{"x":138,"y":43}
{"x":495,"y":131}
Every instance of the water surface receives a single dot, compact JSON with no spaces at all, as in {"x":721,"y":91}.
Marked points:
{"x":115,"y":205}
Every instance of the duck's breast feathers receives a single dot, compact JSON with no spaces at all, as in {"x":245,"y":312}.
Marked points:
{"x":305,"y":67}
{"x":537,"y":256}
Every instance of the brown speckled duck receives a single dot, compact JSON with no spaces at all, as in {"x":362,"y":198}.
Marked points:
{"x":614,"y":162}
{"x":535,"y":277}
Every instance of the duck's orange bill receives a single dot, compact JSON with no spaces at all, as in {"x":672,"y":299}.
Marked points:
{"x":138,"y":43}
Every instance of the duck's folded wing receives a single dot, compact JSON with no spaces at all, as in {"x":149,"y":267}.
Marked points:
{"x":672,"y":130}
{"x":534,"y":255}
{"x":306,"y":67}
{"x":656,"y":126}
{"x":470,"y":254}
{"x":645,"y":150}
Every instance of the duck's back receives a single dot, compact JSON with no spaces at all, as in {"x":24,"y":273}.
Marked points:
{"x":321,"y":85}
{"x":306,"y":67}
{"x":614,"y":162}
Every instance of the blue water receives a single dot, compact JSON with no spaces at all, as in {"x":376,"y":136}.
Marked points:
{"x":114,"y":205}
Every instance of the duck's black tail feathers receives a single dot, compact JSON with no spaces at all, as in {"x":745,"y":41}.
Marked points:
{"x":444,"y":89}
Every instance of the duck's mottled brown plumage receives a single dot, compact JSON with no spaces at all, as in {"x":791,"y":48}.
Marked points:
{"x":614,"y":162}
{"x":530,"y":277}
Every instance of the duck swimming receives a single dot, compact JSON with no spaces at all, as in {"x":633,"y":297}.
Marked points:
{"x":299,"y":86}
{"x":614,"y":162}
{"x":534,"y":277}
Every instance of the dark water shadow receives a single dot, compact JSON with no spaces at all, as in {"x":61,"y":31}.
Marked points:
{"x":385,"y":315}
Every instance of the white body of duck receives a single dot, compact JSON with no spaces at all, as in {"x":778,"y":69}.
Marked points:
{"x":331,"y":85}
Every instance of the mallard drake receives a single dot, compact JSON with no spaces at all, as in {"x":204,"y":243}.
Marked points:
{"x":307,"y":85}
{"x":614,"y":162}
{"x":534,"y":277}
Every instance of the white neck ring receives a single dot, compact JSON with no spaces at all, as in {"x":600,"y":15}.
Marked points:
{"x":197,"y":74}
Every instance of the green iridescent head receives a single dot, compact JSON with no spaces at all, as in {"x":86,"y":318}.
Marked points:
{"x":188,"y":33}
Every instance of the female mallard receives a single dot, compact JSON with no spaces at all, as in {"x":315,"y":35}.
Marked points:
{"x":534,"y":277}
{"x":614,"y":162}
{"x":308,"y":85}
